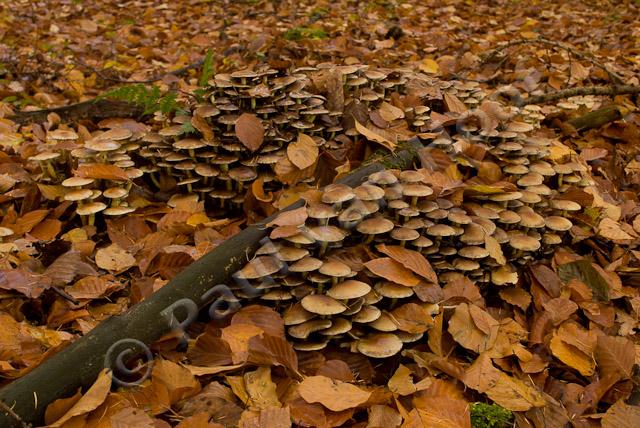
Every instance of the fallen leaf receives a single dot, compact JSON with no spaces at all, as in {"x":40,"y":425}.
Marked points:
{"x":94,"y":397}
{"x":375,"y":136}
{"x":303,"y":152}
{"x":391,"y":270}
{"x":250,"y":131}
{"x":410,"y":259}
{"x":332,"y":394}
{"x":114,"y":259}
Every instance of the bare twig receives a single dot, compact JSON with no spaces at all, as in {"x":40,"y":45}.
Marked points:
{"x":584,"y":90}
{"x":613,"y":76}
{"x":8,"y":410}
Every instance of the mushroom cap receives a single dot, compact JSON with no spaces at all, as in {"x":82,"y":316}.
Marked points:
{"x":531,"y":179}
{"x":291,"y":254}
{"x":473,"y":252}
{"x":62,"y":134}
{"x":119,"y":210}
{"x":303,"y":330}
{"x":335,"y":268}
{"x":416,"y":190}
{"x":321,"y":211}
{"x":260,"y":267}
{"x":45,"y":156}
{"x":392,"y":290}
{"x":473,"y":234}
{"x":375,"y":225}
{"x":504,"y":275}
{"x":441,"y":230}
{"x":243,"y":173}
{"x":327,"y":233}
{"x":306,"y":264}
{"x":78,"y":195}
{"x":91,"y":208}
{"x":383,"y":177}
{"x":505,"y":196}
{"x":189,"y":144}
{"x":339,"y":325}
{"x":516,"y":169}
{"x":404,"y":234}
{"x":530,"y":218}
{"x":322,"y":305}
{"x":508,"y":217}
{"x":530,"y":197}
{"x":382,"y":345}
{"x":115,"y":193}
{"x":369,"y":192}
{"x":100,"y":145}
{"x":543,"y":168}
{"x":77,"y":181}
{"x":5,"y":231}
{"x":565,"y":205}
{"x":296,"y":314}
{"x":337,"y":193}
{"x":385,"y":322}
{"x":349,"y":289}
{"x":541,"y":189}
{"x":310,"y":346}
{"x":458,"y":217}
{"x":277,"y":295}
{"x":465,"y":265}
{"x":558,"y":223}
{"x":524,"y":242}
{"x":367,"y":314}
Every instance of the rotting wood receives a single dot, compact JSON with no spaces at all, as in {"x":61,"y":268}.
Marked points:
{"x":78,"y":365}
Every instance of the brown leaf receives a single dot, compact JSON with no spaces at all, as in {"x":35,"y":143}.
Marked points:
{"x":295,"y":217}
{"x":473,"y":328}
{"x":101,"y":171}
{"x":114,"y":259}
{"x":454,"y":104}
{"x":410,"y":259}
{"x":250,"y":131}
{"x":202,"y":126}
{"x":332,"y":394}
{"x":621,"y":415}
{"x":273,"y":350}
{"x":66,"y":267}
{"x":443,"y":412}
{"x":290,"y":174}
{"x":376,"y":136}
{"x":177,"y":379}
{"x":412,"y":318}
{"x":90,"y":400}
{"x":303,"y":152}
{"x":390,"y":112}
{"x":261,"y":389}
{"x":391,"y":270}
{"x":615,"y":356}
{"x":238,"y":336}
{"x":30,"y":284}
{"x":28,"y":221}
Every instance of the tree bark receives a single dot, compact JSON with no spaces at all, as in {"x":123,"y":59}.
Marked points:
{"x":79,"y":364}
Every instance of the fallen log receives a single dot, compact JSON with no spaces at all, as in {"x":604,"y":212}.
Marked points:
{"x":79,"y":364}
{"x":94,"y":109}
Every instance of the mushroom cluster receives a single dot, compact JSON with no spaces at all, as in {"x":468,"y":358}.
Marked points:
{"x":332,"y":280}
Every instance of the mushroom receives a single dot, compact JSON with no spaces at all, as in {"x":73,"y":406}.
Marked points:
{"x":382,"y":345}
{"x":89,"y":210}
{"x":374,"y":226}
{"x":322,"y":305}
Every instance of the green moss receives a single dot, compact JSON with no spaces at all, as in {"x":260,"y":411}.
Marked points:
{"x":490,"y":416}
{"x":299,"y":33}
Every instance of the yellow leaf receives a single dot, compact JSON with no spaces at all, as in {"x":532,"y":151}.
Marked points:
{"x":375,"y":136}
{"x":429,"y":66}
{"x":331,"y":393}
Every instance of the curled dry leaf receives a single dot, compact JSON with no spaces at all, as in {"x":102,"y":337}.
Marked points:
{"x":295,"y":217}
{"x":303,"y":152}
{"x":94,"y":397}
{"x":391,"y":270}
{"x":390,"y":112}
{"x":375,"y":136}
{"x":412,"y":260}
{"x":250,"y":131}
{"x":332,"y":394}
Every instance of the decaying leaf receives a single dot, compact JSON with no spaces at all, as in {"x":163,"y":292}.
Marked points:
{"x":303,"y":152}
{"x":250,"y":131}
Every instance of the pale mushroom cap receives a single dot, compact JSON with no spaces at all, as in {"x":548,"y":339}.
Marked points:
{"x":558,"y":223}
{"x":524,"y":242}
{"x":369,"y":192}
{"x":465,"y":264}
{"x":322,"y":305}
{"x":530,"y":179}
{"x":385,"y":322}
{"x":45,"y":156}
{"x":504,"y":275}
{"x":529,"y":218}
{"x":508,"y":217}
{"x":303,"y":330}
{"x":5,"y":231}
{"x":91,"y":208}
{"x":189,"y":144}
{"x":367,"y":314}
{"x":306,"y":264}
{"x":62,"y":134}
{"x":383,"y":177}
{"x":337,"y":193}
{"x":291,"y":254}
{"x":473,"y":252}
{"x":382,"y":345}
{"x":296,"y":314}
{"x":392,"y":290}
{"x":404,"y":234}
{"x":310,"y":346}
{"x":78,"y":195}
{"x":349,"y":289}
{"x":417,"y":190}
{"x":277,"y":295}
{"x":327,"y":233}
{"x":506,"y":196}
{"x":565,"y":205}
{"x":120,"y":210}
{"x":335,"y":268}
{"x":321,"y":211}
{"x":77,"y":181}
{"x":441,"y":230}
{"x":375,"y":225}
{"x":339,"y":326}
{"x":115,"y":192}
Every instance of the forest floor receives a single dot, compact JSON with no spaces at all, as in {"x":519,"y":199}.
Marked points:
{"x":562,"y":351}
